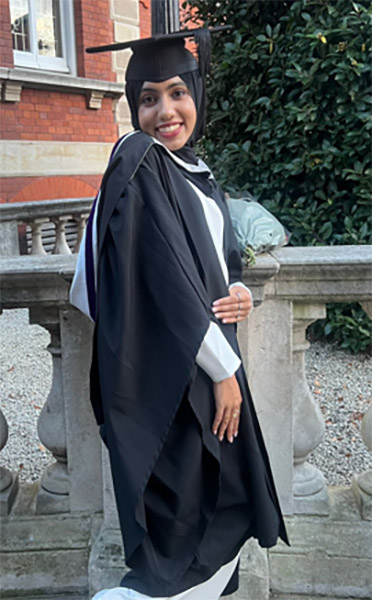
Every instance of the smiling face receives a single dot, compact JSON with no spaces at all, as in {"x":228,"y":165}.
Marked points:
{"x":167,"y":112}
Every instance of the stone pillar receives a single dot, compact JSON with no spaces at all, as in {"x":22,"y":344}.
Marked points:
{"x":106,"y":561}
{"x":362,"y":484}
{"x":37,"y":242}
{"x":265,"y":341}
{"x":81,"y":221}
{"x":8,"y":481}
{"x":309,"y":489}
{"x":82,"y":437}
{"x":9,"y":242}
{"x":53,"y":495}
{"x":61,"y":246}
{"x":126,"y":19}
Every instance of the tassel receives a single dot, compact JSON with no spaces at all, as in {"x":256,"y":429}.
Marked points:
{"x":203,"y":40}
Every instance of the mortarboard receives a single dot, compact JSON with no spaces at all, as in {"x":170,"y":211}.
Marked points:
{"x":162,"y":56}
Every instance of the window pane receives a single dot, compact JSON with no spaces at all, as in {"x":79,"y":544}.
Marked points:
{"x":48,"y":27}
{"x":19,"y":17}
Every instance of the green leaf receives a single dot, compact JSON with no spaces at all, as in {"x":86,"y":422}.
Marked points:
{"x":326,"y":230}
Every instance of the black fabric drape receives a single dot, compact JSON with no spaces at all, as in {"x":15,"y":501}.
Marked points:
{"x":186,"y":501}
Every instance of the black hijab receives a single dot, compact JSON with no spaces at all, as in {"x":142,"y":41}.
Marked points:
{"x":196,"y":85}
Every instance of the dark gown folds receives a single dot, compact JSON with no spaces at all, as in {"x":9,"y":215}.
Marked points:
{"x":186,"y":502}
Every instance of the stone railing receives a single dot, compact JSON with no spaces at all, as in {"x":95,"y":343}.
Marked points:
{"x":45,"y":227}
{"x":291,"y":287}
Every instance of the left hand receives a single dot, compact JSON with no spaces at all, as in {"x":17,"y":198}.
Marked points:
{"x":235,"y":307}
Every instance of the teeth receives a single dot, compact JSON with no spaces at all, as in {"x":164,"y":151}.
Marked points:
{"x":168,"y":128}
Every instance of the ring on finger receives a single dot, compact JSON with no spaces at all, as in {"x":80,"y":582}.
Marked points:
{"x":236,"y":414}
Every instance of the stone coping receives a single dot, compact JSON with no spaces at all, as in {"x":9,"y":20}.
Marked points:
{"x":321,"y":274}
{"x":323,"y":255}
{"x":29,"y":211}
{"x":302,"y":274}
{"x":34,"y":280}
{"x":47,"y":80}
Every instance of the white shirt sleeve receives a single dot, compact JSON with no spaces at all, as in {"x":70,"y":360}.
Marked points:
{"x":215,"y":356}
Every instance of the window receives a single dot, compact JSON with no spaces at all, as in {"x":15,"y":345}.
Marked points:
{"x":43,"y":34}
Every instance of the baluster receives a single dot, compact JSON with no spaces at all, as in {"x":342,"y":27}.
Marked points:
{"x":309,"y":489}
{"x":81,"y":221}
{"x":61,"y":246}
{"x":362,"y":484}
{"x":37,"y":243}
{"x":8,"y":481}
{"x":53,"y":495}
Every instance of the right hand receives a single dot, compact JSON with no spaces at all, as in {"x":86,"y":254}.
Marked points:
{"x":228,"y":401}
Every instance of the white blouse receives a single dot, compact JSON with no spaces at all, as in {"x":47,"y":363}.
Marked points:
{"x":215,"y":356}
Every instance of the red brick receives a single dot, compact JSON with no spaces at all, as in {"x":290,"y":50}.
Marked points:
{"x":25,"y":120}
{"x":6,"y":48}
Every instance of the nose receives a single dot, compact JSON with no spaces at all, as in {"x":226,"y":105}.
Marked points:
{"x":166,"y":111}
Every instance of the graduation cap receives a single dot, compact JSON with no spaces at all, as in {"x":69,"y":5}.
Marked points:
{"x":163,"y":56}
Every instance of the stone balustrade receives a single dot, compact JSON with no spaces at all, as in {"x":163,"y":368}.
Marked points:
{"x":291,"y":287}
{"x":50,"y":227}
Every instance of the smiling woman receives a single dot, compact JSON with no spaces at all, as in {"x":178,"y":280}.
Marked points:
{"x":167,"y":112}
{"x":191,"y":474}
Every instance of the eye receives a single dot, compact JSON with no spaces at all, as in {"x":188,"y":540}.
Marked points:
{"x":179,"y":93}
{"x":148,"y":99}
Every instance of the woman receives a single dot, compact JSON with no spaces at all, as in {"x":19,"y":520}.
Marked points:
{"x":190,"y":470}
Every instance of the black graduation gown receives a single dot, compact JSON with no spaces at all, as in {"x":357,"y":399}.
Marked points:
{"x":186,"y":502}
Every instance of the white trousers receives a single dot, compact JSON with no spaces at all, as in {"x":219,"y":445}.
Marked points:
{"x":208,"y":590}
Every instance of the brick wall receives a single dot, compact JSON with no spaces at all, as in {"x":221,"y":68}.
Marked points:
{"x":93,"y":27}
{"x":48,"y":115}
{"x":44,"y":115}
{"x":6,"y":52}
{"x":145,"y":18}
{"x":27,"y":189}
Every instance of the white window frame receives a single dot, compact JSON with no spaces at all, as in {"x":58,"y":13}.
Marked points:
{"x":33,"y":60}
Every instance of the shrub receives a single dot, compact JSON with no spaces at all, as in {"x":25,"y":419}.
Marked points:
{"x":289,"y":114}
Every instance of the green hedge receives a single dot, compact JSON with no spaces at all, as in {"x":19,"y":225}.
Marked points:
{"x":289,"y":116}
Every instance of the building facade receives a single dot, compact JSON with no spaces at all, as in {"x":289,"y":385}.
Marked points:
{"x":61,"y":108}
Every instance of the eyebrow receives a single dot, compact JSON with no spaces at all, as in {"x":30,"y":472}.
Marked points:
{"x":171,"y":85}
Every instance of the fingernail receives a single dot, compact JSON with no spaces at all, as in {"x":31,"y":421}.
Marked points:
{"x":221,"y":438}
{"x":236,"y":434}
{"x":231,"y":440}
{"x":224,"y":320}
{"x":215,"y":432}
{"x":214,"y":308}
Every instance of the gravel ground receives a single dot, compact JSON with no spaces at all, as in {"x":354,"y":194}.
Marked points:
{"x":340,"y":382}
